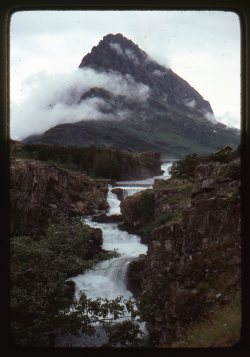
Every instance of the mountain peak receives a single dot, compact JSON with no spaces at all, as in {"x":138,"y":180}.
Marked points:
{"x":111,"y":51}
{"x":116,"y":53}
{"x":121,"y":40}
{"x":111,"y":37}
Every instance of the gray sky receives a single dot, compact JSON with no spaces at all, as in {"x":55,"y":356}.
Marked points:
{"x":203,"y":47}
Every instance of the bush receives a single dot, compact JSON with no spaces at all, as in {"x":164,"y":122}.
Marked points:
{"x":39,"y":269}
{"x":233,"y":170}
{"x":106,"y":165}
{"x":146,"y":206}
{"x":185,"y":168}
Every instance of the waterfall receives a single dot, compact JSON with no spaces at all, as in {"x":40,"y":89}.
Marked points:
{"x":107,"y":278}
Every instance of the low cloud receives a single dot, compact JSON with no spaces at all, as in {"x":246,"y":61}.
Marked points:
{"x":56,"y":99}
{"x":192,"y":104}
{"x":127,"y":52}
{"x":117,"y":48}
{"x":159,"y":73}
{"x":229,"y":119}
{"x":131,"y":54}
{"x":210,"y":117}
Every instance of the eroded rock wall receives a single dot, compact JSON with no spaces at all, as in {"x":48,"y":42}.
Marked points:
{"x":192,"y":266}
{"x":40,"y":192}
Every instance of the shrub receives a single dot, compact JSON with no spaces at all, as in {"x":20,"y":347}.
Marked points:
{"x":233,"y":170}
{"x":38,"y":272}
{"x":185,"y":168}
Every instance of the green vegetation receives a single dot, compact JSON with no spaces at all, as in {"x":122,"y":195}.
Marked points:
{"x":159,"y":221}
{"x":42,"y":299}
{"x":82,"y":314}
{"x":176,"y":193}
{"x":162,"y":129}
{"x":185,"y":168}
{"x":233,"y":170}
{"x":221,"y":329}
{"x":39,"y":269}
{"x":146,"y":205}
{"x":94,"y":161}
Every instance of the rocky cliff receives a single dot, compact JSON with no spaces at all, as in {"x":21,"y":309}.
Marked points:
{"x":193,"y":264}
{"x":41,"y":192}
{"x":148,"y":209}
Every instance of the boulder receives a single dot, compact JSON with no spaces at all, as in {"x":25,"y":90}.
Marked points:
{"x":103,"y":218}
{"x":134,"y":275}
{"x":118,"y":192}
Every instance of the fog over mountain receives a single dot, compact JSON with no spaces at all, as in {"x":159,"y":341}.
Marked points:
{"x":57,"y":99}
{"x":121,"y":98}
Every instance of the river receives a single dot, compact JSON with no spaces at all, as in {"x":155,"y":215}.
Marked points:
{"x":108,"y":278}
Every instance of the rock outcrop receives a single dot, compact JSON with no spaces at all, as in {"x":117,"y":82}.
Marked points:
{"x":41,"y":192}
{"x":163,"y":203}
{"x":104,"y":218}
{"x":193,"y":265}
{"x":118,"y":192}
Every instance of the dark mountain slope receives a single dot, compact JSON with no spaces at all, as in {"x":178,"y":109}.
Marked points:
{"x":172,"y":119}
{"x":117,"y":53}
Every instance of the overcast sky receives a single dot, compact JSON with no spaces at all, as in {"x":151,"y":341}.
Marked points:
{"x":203,"y":47}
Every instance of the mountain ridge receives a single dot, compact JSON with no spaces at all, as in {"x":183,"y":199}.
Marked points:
{"x":139,"y":65}
{"x":171,"y":117}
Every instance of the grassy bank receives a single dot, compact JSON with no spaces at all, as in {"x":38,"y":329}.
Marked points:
{"x":221,"y":329}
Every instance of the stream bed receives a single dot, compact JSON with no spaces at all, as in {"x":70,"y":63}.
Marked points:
{"x":108,"y":278}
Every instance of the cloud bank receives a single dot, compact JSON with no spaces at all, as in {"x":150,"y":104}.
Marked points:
{"x":202,"y":47}
{"x":56,"y":99}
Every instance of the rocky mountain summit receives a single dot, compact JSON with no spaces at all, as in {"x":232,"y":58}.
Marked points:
{"x":156,"y":111}
{"x":115,"y":53}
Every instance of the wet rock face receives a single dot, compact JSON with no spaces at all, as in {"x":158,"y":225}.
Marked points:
{"x":138,"y":210}
{"x":194,"y":265}
{"x":134,"y":274}
{"x":103,"y":218}
{"x":118,"y":192}
{"x":144,"y":208}
{"x":41,"y":192}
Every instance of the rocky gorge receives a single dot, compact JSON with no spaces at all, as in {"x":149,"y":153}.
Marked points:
{"x":191,"y":227}
{"x":49,"y":242}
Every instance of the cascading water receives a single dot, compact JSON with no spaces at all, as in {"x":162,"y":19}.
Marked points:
{"x":107,"y":278}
